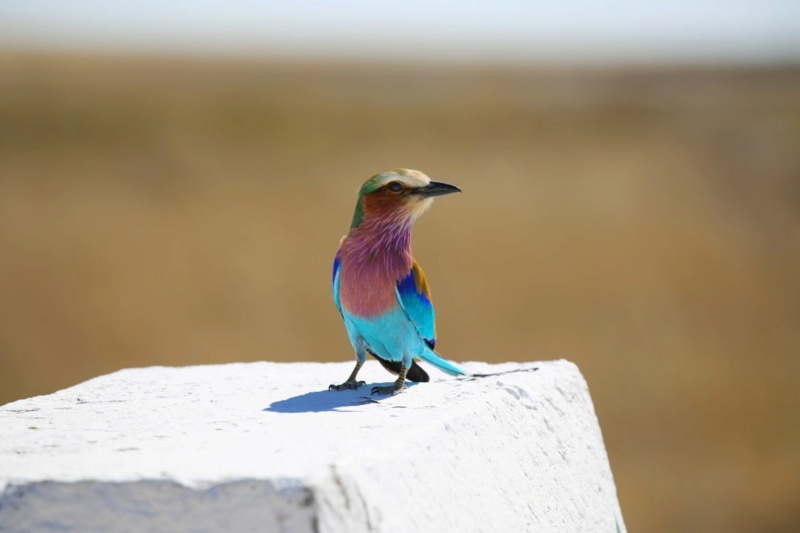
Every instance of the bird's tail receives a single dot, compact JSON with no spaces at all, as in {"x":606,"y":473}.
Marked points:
{"x":415,"y":372}
{"x":429,"y":356}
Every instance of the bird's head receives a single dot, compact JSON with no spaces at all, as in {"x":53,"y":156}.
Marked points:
{"x":400,"y":195}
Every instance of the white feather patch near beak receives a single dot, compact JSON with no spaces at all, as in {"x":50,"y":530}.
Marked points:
{"x":417,"y":208}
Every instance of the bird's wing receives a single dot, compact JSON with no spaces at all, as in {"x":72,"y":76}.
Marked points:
{"x":414,"y":296}
{"x":337,"y":263}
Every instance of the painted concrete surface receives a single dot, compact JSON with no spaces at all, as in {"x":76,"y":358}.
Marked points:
{"x":266,"y":447}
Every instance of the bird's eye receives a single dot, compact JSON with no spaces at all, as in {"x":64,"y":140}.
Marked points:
{"x":395,"y":187}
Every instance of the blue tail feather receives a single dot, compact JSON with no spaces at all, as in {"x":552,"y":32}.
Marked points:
{"x":429,"y":356}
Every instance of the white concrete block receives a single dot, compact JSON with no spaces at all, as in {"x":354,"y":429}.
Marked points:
{"x":266,"y":447}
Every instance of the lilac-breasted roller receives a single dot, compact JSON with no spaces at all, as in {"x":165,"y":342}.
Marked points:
{"x":380,"y":291}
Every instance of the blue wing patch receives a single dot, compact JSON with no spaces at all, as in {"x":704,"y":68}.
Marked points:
{"x":415,"y":299}
{"x":337,"y":263}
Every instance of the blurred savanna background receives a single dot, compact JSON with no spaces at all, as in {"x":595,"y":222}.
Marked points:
{"x":174,"y":184}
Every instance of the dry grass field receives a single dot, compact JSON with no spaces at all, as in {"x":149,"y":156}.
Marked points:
{"x":642,"y":223}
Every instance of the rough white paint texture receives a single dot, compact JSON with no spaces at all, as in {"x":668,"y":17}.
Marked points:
{"x":266,"y":447}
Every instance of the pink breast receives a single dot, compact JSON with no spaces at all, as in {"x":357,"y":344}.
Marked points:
{"x":369,"y":274}
{"x":364,"y":290}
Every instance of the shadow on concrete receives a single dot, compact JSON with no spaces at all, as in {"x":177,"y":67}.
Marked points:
{"x":329,"y":400}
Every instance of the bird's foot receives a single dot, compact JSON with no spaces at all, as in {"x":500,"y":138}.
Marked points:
{"x":350,"y":384}
{"x":393,"y":389}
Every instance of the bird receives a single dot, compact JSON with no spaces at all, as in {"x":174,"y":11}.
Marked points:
{"x":380,"y":290}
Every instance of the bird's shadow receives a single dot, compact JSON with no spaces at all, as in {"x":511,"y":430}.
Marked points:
{"x":331,"y":400}
{"x":327,"y":400}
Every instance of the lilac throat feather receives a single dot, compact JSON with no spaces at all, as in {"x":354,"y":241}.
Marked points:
{"x":375,"y":256}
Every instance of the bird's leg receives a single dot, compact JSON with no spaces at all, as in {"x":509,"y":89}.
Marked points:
{"x":398,"y":386}
{"x":351,"y":383}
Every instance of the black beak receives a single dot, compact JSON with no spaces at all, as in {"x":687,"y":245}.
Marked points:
{"x":436,"y":188}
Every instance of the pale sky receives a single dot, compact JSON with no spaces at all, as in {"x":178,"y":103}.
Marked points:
{"x":555,"y":30}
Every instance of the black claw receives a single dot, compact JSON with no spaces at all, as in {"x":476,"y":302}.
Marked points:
{"x":386,"y":390}
{"x":346,"y":386}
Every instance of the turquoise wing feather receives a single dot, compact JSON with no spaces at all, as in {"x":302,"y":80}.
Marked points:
{"x":415,"y":299}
